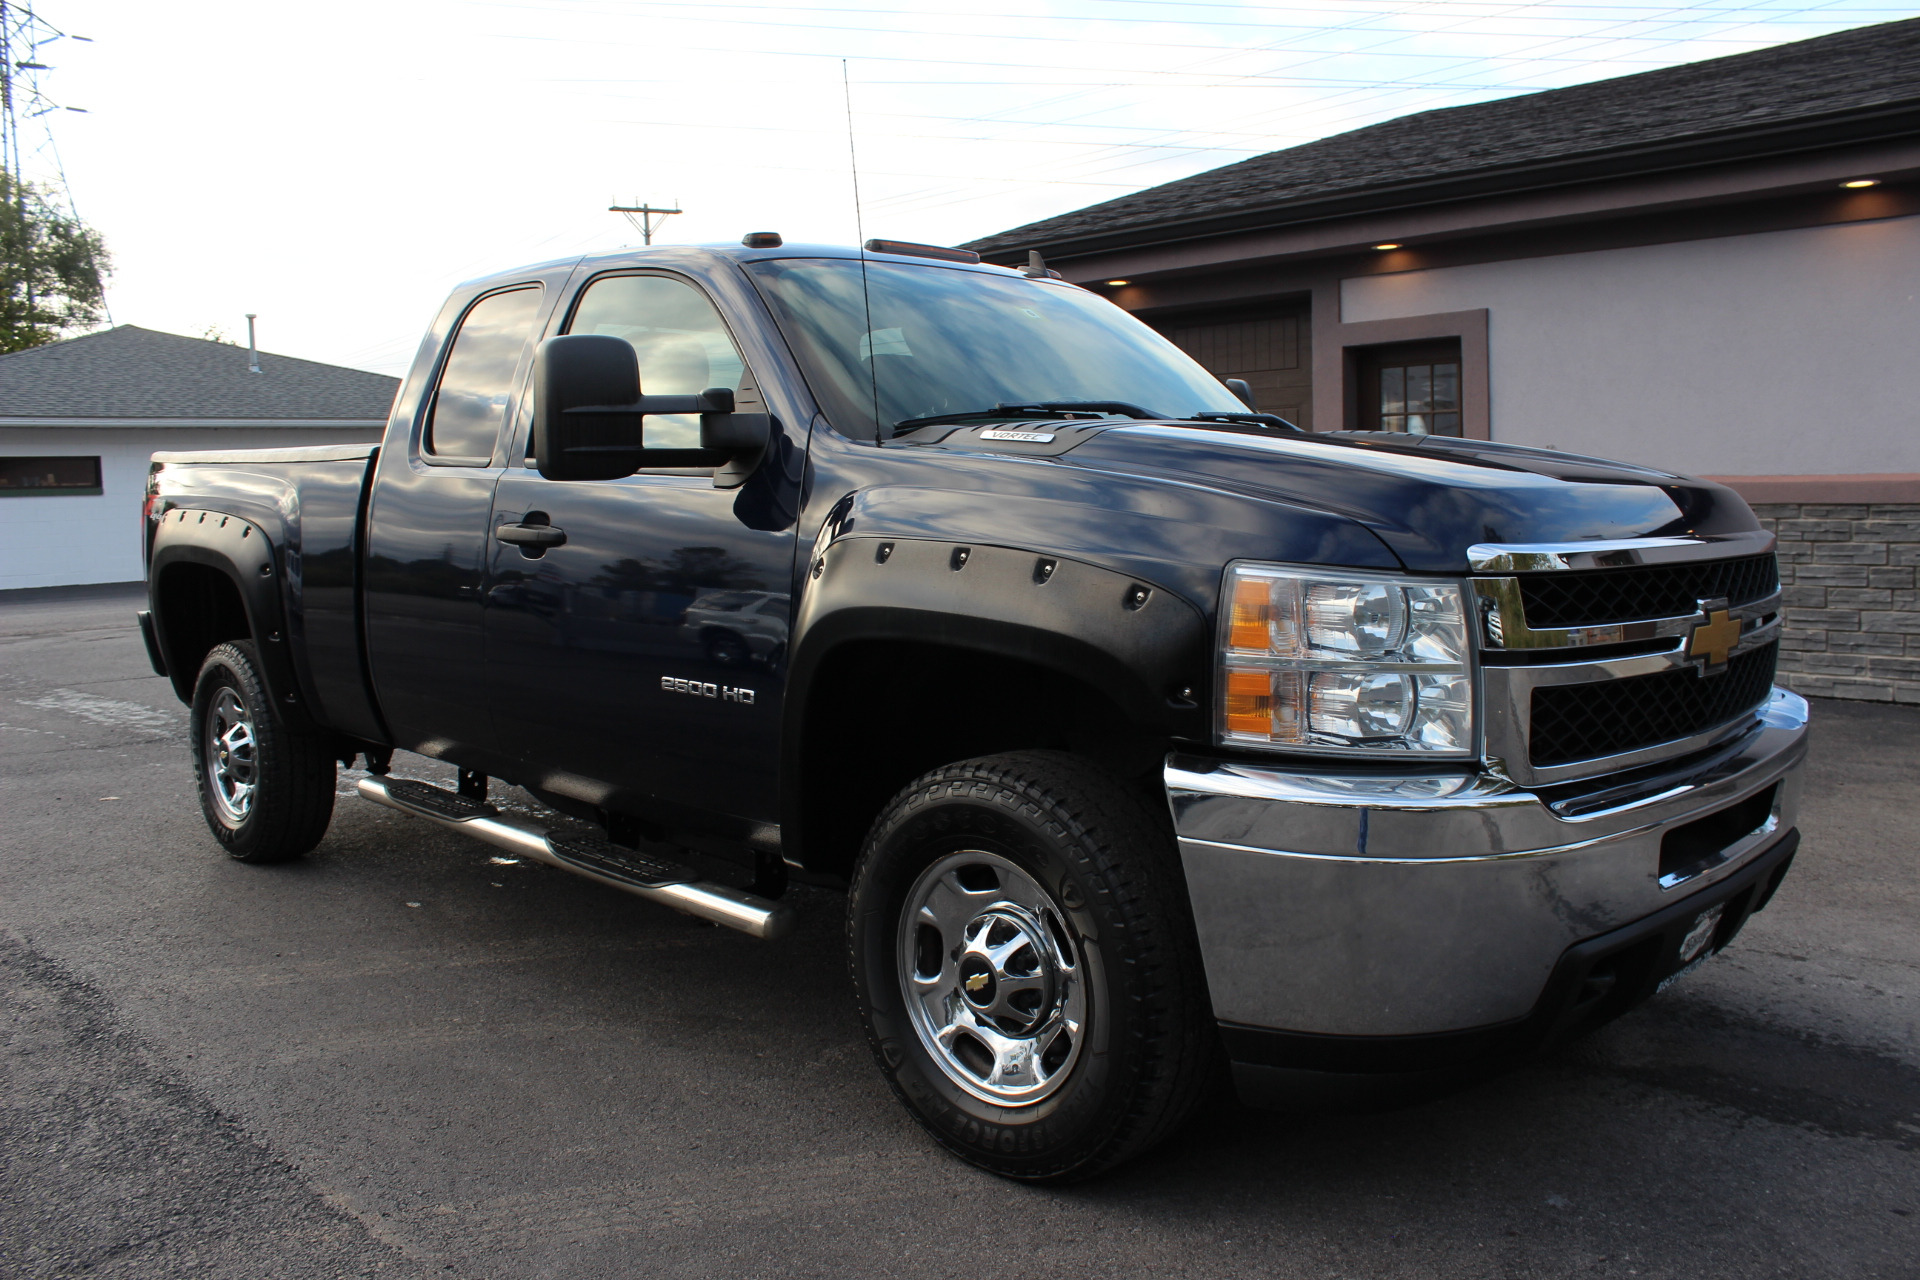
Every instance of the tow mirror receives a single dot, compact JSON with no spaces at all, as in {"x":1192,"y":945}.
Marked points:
{"x":589,"y":415}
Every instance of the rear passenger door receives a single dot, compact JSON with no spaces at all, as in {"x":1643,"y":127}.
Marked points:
{"x":427,"y":532}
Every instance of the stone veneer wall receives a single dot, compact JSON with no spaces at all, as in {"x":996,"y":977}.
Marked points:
{"x":1852,"y":610}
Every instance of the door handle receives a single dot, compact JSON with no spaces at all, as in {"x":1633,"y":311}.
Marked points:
{"x":531,"y":535}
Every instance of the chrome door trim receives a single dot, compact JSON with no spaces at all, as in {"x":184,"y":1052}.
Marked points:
{"x":1548,"y":557}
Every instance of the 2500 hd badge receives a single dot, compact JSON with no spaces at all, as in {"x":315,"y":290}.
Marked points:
{"x":707,"y":689}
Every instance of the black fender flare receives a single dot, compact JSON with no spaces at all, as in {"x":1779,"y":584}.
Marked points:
{"x":1145,"y":648}
{"x":240,"y":551}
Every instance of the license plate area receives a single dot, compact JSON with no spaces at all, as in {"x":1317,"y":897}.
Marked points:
{"x":1700,"y":936}
{"x":1696,"y":944}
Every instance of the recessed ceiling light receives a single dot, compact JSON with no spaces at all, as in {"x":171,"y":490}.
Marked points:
{"x":1384,"y":247}
{"x":1116,"y":283}
{"x":1862,"y":182}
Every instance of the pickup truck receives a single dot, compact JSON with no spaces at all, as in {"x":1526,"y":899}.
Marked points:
{"x":1153,"y":740}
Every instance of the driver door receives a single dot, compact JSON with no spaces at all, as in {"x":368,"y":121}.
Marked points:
{"x":633,"y":700}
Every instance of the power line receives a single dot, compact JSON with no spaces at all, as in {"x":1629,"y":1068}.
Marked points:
{"x":1452,"y":89}
{"x":1027,"y":36}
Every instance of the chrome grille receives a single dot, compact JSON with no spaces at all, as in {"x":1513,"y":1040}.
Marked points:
{"x":1590,"y":721}
{"x":1587,"y":663}
{"x":1646,"y":591}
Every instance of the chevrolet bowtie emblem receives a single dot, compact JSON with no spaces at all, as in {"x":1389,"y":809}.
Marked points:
{"x":1714,"y":639}
{"x":976,"y":982}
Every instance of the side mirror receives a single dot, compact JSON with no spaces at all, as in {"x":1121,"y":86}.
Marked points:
{"x":586,"y":371}
{"x":589,"y":415}
{"x":1242,"y":389}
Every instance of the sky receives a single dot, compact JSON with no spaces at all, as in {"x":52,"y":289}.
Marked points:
{"x":338,"y":167}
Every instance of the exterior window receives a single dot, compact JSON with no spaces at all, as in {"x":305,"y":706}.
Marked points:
{"x":1413,"y":389}
{"x":470,"y":405}
{"x":29,"y":477}
{"x":683,"y":346}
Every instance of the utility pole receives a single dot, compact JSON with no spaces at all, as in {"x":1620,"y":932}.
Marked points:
{"x":644,"y":223}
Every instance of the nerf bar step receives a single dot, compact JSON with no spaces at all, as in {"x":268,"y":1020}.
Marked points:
{"x":609,"y":864}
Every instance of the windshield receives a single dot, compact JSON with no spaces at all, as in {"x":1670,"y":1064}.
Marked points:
{"x":952,"y":342}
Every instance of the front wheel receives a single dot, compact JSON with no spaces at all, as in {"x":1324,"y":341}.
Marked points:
{"x":266,"y":789}
{"x":1025,"y":965}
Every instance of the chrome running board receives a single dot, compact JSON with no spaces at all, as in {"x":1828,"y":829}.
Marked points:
{"x":609,"y":864}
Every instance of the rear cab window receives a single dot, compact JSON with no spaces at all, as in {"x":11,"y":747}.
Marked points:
{"x":476,"y":384}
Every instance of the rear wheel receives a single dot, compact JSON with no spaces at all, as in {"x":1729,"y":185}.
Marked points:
{"x":1025,"y":965}
{"x":266,"y":789}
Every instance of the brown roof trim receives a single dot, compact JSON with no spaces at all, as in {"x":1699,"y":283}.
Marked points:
{"x":1882,"y":122}
{"x":1893,"y":487}
{"x":1754,"y":198}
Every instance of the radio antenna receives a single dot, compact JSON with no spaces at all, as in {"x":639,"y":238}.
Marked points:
{"x":860,"y":231}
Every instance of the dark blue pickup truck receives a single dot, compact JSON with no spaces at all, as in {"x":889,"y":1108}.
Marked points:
{"x":1145,"y":732}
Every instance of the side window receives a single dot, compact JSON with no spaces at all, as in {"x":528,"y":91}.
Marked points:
{"x":470,"y":404}
{"x":682,"y":344}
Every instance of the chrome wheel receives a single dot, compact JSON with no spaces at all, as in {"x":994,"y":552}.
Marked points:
{"x":992,"y":978}
{"x":232,"y":756}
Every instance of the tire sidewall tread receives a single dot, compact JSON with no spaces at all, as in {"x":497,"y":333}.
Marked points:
{"x":294,"y":792}
{"x":1112,"y":868}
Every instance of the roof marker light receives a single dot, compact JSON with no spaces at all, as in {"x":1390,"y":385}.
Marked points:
{"x":1856,"y":183}
{"x":908,"y":248}
{"x":1116,"y":283}
{"x":1384,"y":247}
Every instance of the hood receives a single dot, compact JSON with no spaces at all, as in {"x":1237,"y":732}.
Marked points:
{"x":1428,"y":498}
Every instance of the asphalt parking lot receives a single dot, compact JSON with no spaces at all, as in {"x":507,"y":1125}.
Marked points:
{"x":398,"y":1058}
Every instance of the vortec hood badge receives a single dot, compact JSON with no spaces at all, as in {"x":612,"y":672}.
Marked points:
{"x":1714,"y":639}
{"x":1022,"y":437}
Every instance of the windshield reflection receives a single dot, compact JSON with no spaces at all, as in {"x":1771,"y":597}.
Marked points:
{"x":946,"y":341}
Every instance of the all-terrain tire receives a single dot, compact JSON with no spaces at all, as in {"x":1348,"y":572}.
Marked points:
{"x":266,"y":789}
{"x":1110,"y":894}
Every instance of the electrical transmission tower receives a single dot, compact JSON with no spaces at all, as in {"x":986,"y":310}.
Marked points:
{"x":640,"y":215}
{"x":23,"y":34}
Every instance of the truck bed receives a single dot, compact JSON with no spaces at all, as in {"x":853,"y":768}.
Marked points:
{"x":309,"y":502}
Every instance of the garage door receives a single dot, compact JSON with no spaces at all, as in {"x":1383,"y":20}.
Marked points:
{"x":1268,"y":347}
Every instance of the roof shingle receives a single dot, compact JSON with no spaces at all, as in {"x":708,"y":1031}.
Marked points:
{"x":130,"y":372}
{"x":1827,"y":76}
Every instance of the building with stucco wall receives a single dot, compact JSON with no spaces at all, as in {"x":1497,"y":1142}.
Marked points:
{"x":1712,"y":269}
{"x":80,"y":419}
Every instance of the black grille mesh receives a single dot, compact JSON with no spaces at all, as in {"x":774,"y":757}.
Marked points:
{"x":1643,"y":591}
{"x":1584,"y":721}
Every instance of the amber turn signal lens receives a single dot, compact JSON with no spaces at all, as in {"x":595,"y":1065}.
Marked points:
{"x":1252,"y":614}
{"x":1249,"y":702}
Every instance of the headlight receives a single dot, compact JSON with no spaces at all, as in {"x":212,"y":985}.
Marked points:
{"x":1346,"y":661}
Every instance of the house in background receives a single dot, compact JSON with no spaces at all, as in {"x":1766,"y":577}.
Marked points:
{"x":79,"y":420}
{"x":1711,"y":268}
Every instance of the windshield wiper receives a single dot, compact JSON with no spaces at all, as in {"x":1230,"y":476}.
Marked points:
{"x":1042,"y":409}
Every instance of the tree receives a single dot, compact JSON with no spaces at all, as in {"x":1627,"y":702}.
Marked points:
{"x":53,"y":269}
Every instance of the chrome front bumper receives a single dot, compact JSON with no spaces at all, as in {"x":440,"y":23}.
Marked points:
{"x":1367,"y":905}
